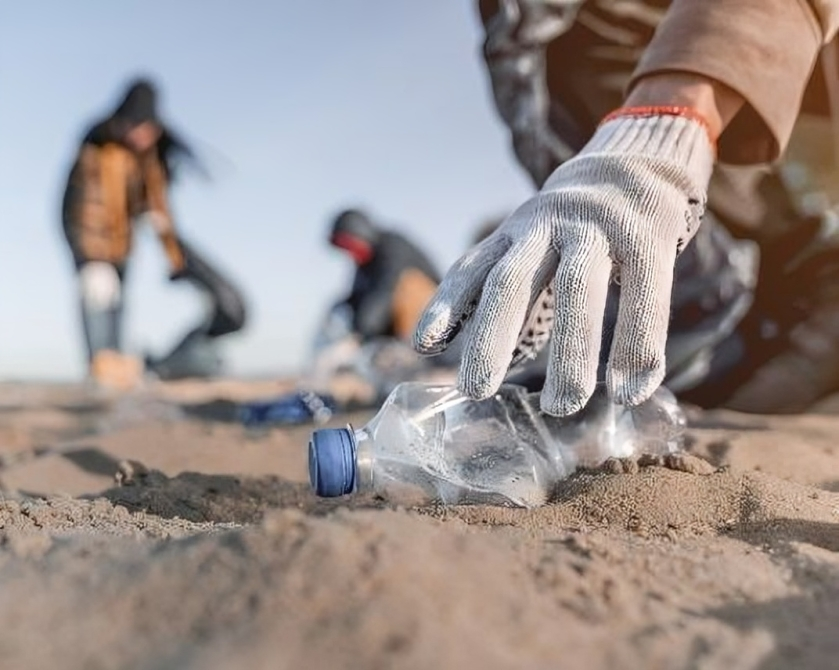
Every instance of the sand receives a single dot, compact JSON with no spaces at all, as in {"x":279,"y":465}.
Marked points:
{"x":151,"y":531}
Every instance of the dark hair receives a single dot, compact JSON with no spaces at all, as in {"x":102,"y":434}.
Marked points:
{"x":139,"y":104}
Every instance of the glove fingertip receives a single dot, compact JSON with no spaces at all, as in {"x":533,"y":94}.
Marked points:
{"x":563,"y":404}
{"x":476,"y":386}
{"x":567,"y":389}
{"x":429,"y":346}
{"x":433,"y":339}
{"x":432,"y":329}
{"x":635,"y":387}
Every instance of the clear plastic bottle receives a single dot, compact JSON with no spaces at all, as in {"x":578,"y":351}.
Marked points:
{"x":428,"y":443}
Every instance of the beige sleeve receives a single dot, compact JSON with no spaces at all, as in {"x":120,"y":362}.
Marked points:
{"x":763,"y":49}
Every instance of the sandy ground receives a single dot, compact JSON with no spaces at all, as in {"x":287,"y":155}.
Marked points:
{"x":150,"y":531}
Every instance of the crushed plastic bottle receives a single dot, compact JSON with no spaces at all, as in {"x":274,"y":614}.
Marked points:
{"x":430,"y":444}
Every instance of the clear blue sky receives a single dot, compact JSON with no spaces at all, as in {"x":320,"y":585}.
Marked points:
{"x":300,"y":108}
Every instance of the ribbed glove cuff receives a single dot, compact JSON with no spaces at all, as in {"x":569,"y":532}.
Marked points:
{"x":682,"y":139}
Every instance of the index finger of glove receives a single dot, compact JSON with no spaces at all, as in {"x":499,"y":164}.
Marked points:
{"x":457,"y":296}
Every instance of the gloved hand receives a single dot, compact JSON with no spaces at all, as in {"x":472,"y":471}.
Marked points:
{"x":625,"y":206}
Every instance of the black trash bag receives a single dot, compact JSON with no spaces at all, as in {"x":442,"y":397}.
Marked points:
{"x":196,"y":353}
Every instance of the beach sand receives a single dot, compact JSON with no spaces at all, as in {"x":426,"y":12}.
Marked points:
{"x":152,"y":531}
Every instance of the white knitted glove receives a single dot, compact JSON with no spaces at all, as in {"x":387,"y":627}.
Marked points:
{"x":626,"y":204}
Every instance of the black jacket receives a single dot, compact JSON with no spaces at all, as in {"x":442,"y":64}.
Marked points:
{"x":372,"y":295}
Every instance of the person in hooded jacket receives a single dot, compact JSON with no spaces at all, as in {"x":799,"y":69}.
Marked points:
{"x":122,"y":170}
{"x":393,"y":281}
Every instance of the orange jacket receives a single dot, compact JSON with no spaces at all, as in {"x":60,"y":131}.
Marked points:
{"x":108,"y":187}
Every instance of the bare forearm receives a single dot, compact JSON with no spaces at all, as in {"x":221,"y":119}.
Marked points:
{"x":713,"y":101}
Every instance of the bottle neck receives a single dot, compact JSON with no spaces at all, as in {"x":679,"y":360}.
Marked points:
{"x":363,"y":460}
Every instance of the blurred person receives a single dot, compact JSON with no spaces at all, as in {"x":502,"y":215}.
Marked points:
{"x":624,"y":114}
{"x":362,"y":348}
{"x":120,"y":176}
{"x":394,"y":279}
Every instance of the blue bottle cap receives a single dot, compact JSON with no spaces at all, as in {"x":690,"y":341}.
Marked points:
{"x":332,"y":461}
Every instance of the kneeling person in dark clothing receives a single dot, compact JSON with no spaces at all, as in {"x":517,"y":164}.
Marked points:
{"x":363,"y":349}
{"x":393,"y":282}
